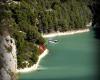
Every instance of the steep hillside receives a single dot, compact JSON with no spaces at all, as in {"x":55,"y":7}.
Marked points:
{"x":28,"y":19}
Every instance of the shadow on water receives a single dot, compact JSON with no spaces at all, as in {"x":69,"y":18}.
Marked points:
{"x":97,"y":47}
{"x":96,"y":30}
{"x":72,"y":78}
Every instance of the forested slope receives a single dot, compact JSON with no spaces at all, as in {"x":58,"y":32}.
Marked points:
{"x":27,"y":19}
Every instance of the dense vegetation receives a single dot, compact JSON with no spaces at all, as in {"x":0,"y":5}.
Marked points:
{"x":95,"y":8}
{"x":61,"y":15}
{"x":27,"y":19}
{"x":17,"y":19}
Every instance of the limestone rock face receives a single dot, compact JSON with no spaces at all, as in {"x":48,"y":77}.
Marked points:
{"x":8,"y":60}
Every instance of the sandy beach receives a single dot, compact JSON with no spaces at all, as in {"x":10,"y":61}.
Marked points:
{"x":64,"y":33}
{"x":35,"y":66}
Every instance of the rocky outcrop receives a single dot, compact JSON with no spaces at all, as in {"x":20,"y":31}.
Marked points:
{"x":8,"y":60}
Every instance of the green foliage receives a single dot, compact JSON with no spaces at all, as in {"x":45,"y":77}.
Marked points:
{"x":27,"y":19}
{"x":62,"y":15}
{"x":29,"y":54}
{"x":40,"y":40}
{"x":9,"y":49}
{"x":20,"y":21}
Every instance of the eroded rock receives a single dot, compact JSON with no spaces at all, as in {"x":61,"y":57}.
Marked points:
{"x":8,"y":60}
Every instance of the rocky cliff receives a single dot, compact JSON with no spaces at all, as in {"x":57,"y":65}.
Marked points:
{"x":8,"y":60}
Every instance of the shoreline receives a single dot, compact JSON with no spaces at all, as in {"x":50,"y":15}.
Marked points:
{"x":35,"y":66}
{"x":65,"y":33}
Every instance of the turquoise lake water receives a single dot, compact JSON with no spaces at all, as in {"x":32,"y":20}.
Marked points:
{"x":72,"y":58}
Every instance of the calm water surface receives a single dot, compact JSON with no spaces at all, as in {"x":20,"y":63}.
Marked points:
{"x":72,"y":58}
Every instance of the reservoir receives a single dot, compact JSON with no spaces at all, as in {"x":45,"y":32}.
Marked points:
{"x":73,"y":57}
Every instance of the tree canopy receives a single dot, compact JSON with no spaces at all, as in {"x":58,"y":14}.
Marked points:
{"x":27,"y":19}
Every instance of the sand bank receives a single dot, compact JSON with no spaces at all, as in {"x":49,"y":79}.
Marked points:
{"x":35,"y":66}
{"x":64,"y":33}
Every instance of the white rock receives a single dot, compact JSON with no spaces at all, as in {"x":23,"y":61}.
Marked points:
{"x":8,"y":60}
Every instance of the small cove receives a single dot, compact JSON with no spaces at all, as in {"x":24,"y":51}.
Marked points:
{"x":72,"y":58}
